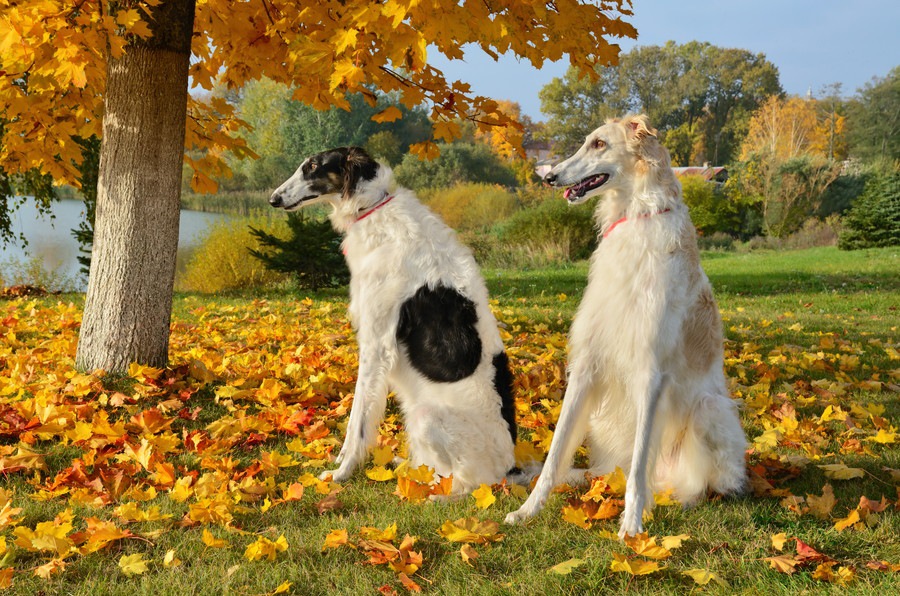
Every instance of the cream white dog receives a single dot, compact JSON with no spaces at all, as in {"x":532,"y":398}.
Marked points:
{"x":645,"y":382}
{"x":424,"y":327}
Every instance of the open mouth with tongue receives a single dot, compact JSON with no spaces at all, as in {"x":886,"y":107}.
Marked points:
{"x":576,"y":191}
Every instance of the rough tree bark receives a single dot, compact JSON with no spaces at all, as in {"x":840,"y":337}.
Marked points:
{"x":129,"y":297}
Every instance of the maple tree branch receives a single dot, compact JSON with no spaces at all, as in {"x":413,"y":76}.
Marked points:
{"x":432,"y":92}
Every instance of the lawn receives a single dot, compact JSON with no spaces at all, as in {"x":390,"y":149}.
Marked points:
{"x":200,"y":478}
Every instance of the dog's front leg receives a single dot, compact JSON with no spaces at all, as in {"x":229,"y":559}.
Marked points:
{"x":637,"y":490}
{"x":369,"y":402}
{"x":569,"y":434}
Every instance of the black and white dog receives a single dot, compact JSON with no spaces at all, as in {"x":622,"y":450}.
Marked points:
{"x":420,"y":310}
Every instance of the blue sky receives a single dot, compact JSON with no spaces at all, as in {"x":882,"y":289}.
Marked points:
{"x":812,"y":42}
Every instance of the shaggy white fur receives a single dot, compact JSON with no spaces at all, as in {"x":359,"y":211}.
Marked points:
{"x":646,"y":383}
{"x":394,"y":246}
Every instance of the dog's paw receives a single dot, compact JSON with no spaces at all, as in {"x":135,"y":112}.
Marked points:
{"x":521,"y":515}
{"x":631,"y":523}
{"x":339,"y":475}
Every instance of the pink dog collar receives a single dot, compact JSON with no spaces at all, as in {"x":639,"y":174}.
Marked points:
{"x":384,"y":202}
{"x":624,"y":219}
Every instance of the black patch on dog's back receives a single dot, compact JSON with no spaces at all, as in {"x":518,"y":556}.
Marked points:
{"x":503,"y":381}
{"x":438,"y":327}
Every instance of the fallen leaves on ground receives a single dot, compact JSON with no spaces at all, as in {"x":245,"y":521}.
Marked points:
{"x":251,"y":409}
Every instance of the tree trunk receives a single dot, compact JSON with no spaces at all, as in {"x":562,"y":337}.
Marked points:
{"x":129,"y":298}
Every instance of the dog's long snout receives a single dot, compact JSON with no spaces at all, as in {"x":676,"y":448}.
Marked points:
{"x":276,"y":200}
{"x":550,"y":179}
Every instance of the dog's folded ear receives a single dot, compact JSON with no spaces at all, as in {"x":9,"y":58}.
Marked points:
{"x":358,"y":165}
{"x":642,"y":140}
{"x":638,"y":128}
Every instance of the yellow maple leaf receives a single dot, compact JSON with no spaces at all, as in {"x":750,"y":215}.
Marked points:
{"x":704,"y":576}
{"x":526,"y":452}
{"x":621,"y":563}
{"x":133,"y":564}
{"x":382,"y":455}
{"x":852,"y":519}
{"x":665,"y":498}
{"x":821,"y":507}
{"x":127,"y":18}
{"x":170,"y":560}
{"x":46,"y":536}
{"x":182,"y":489}
{"x":577,"y":516}
{"x":446,"y":130}
{"x":566,"y":567}
{"x":842,"y":472}
{"x":646,"y":546}
{"x":778,"y":541}
{"x":471,"y":530}
{"x":484,"y":496}
{"x":390,"y":114}
{"x":468,"y":554}
{"x":768,"y":440}
{"x":673,"y":542}
{"x":267,"y":549}
{"x":213,"y":542}
{"x":883,"y":437}
{"x":395,"y":11}
{"x":783,"y":563}
{"x":616,"y":481}
{"x":335,"y":539}
{"x":379,"y":474}
{"x":46,"y":570}
{"x":344,"y":39}
{"x":6,"y":576}
{"x":825,"y":572}
{"x":371,"y":533}
{"x":425,"y":150}
{"x":423,"y":474}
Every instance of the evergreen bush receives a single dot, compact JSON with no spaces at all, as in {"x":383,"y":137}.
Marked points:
{"x":874,"y":219}
{"x":310,"y":252}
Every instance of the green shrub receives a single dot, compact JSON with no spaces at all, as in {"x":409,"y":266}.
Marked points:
{"x":222,"y":261}
{"x":874,"y":219}
{"x":710,"y":209}
{"x":490,"y":251}
{"x":552,"y":222}
{"x":458,"y":162}
{"x":840,"y":194}
{"x":310,"y":253}
{"x":718,"y":241}
{"x":470,"y":205}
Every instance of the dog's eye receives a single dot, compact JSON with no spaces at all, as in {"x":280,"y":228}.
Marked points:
{"x":598,"y":144}
{"x":312,"y":166}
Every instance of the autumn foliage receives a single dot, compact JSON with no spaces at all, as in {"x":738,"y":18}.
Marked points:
{"x":54,"y":57}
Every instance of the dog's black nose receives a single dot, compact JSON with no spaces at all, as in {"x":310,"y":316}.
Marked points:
{"x":276,"y":200}
{"x":550,"y":178}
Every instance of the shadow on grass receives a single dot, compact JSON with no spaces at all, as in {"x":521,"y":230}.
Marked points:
{"x":792,"y":282}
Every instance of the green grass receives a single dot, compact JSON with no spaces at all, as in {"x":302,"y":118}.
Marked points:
{"x":801,"y":294}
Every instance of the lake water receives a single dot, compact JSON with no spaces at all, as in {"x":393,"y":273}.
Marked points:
{"x":50,"y":242}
